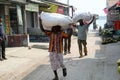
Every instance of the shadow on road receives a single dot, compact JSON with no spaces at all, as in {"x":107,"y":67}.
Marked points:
{"x":102,"y":67}
{"x":45,"y":47}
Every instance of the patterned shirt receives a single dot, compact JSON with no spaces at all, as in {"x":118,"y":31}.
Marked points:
{"x":56,"y":41}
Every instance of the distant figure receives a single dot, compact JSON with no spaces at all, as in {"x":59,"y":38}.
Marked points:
{"x":67,"y":41}
{"x":106,"y":26}
{"x":94,"y":24}
{"x":2,"y":41}
{"x":56,"y":48}
{"x":100,"y":30}
{"x":82,"y":35}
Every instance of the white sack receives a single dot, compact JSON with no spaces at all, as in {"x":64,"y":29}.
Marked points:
{"x":53,"y":19}
{"x":84,"y":16}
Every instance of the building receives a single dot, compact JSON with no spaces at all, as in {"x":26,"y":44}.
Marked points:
{"x":53,"y":7}
{"x":16,"y":16}
{"x":21,"y":18}
{"x":12,"y":13}
{"x":113,"y":12}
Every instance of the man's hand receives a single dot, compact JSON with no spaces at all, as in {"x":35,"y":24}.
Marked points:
{"x":93,"y":17}
{"x":40,"y":19}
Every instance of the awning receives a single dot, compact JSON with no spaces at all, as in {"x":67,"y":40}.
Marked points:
{"x":112,"y":7}
{"x":58,"y":3}
{"x":41,"y":4}
{"x":4,"y":2}
{"x":116,"y":6}
{"x":18,"y":1}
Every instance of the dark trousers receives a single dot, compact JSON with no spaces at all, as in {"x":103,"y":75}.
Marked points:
{"x":3,"y":49}
{"x":67,"y":44}
{"x":80,"y":43}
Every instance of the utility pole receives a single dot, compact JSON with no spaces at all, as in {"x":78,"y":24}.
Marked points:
{"x":68,"y":6}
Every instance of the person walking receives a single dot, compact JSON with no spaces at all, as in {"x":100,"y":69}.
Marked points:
{"x":67,"y":41}
{"x":82,"y":35}
{"x":56,"y":48}
{"x":100,"y":30}
{"x":2,"y":41}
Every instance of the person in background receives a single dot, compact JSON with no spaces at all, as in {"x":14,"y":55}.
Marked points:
{"x":2,"y":41}
{"x":94,"y":24}
{"x":67,"y":41}
{"x":56,"y":48}
{"x":82,"y":35}
{"x":100,"y":30}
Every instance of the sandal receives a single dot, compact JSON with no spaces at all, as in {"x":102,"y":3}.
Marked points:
{"x":64,"y":72}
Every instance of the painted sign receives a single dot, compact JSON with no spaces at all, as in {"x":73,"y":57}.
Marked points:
{"x":53,"y":8}
{"x":7,"y":23}
{"x":32,"y":7}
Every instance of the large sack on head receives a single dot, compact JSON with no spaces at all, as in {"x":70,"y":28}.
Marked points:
{"x":53,"y":19}
{"x":84,"y":16}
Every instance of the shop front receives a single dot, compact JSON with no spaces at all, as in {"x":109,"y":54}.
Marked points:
{"x":113,"y":15}
{"x":32,"y":15}
{"x":17,"y":24}
{"x":32,"y":22}
{"x":32,"y":19}
{"x":4,"y":13}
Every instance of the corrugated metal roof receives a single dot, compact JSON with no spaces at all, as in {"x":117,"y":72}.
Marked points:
{"x":42,"y":4}
{"x":4,"y":2}
{"x":114,"y":7}
{"x":58,"y":3}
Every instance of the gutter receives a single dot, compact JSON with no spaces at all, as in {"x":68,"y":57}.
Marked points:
{"x":5,"y":2}
{"x":41,"y":3}
{"x":58,"y":3}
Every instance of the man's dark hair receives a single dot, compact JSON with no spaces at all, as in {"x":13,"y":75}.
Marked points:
{"x":81,"y":22}
{"x":56,"y":29}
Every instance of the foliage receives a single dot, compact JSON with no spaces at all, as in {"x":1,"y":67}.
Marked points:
{"x":107,"y":37}
{"x":106,"y":32}
{"x":118,"y":63}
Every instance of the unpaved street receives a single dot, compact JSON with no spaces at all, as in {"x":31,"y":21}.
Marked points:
{"x":100,"y":64}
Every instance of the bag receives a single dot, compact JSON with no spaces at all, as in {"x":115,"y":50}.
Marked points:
{"x":84,"y":16}
{"x":52,"y":19}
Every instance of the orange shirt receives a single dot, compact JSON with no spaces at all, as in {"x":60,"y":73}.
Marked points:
{"x":56,"y":41}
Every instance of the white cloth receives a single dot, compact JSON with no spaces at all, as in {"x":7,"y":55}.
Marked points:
{"x":84,"y":16}
{"x":52,"y":19}
{"x":56,"y":60}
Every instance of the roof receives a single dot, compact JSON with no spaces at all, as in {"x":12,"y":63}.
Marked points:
{"x":4,"y":2}
{"x":18,"y":1}
{"x":116,"y":6}
{"x":58,"y":3}
{"x":41,"y":3}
